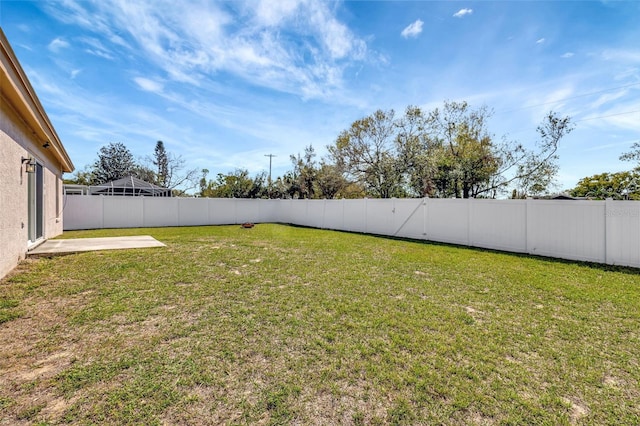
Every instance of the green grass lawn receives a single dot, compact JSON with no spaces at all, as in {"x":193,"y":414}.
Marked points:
{"x":286,"y":325}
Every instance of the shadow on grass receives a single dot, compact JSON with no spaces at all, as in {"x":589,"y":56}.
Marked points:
{"x":592,"y":265}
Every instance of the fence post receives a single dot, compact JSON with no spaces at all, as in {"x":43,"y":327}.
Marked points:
{"x":324,"y":213}
{"x":469,"y":213}
{"x":102,"y":205}
{"x":607,"y":249}
{"x":425,"y":217}
{"x":366,"y":211}
{"x":527,"y":225}
{"x":179,"y":208}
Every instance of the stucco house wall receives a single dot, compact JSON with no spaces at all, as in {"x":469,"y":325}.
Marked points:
{"x":24,"y":129}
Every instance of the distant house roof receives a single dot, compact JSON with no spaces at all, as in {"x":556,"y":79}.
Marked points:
{"x":130,"y":186}
{"x":16,"y":90}
{"x":563,"y":197}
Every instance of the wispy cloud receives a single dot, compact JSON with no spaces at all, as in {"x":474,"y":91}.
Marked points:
{"x":149,"y":85}
{"x":57,"y":44}
{"x":293,"y":46}
{"x":100,"y":53}
{"x":74,"y":73}
{"x":96,"y":47}
{"x":608,"y":97}
{"x":463,"y":12}
{"x":568,"y":55}
{"x":622,"y":116}
{"x":413,"y":29}
{"x":540,"y":40}
{"x":622,"y":55}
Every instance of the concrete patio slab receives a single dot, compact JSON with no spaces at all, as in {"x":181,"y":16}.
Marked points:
{"x":57,"y":247}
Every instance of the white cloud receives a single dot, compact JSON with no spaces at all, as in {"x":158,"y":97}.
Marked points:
{"x":622,"y":55}
{"x":624,"y":116}
{"x":293,"y":46}
{"x":58,"y":44}
{"x":608,"y":98}
{"x":273,"y":13}
{"x":568,"y":55}
{"x":540,"y":41}
{"x":96,"y":48}
{"x":412,"y":30}
{"x":74,"y":73}
{"x":100,"y":54}
{"x":149,"y":85}
{"x":462,"y":12}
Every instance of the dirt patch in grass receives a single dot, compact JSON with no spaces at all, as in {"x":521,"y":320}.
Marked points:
{"x":33,"y":353}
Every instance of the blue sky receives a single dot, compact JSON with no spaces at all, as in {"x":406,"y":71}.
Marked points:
{"x":224,"y":83}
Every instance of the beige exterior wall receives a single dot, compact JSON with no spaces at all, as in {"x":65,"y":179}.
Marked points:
{"x":16,"y":142}
{"x":25,"y":131}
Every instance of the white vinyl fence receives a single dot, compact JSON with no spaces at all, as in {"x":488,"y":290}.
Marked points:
{"x":595,"y":231}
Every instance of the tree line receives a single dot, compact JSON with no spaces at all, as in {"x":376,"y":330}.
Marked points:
{"x":444,"y":152}
{"x":623,"y":185}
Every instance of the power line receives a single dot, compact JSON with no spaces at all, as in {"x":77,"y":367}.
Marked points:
{"x":584,"y":119}
{"x":607,"y":116}
{"x":569,"y":98}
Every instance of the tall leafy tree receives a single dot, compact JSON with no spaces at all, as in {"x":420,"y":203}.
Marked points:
{"x":462,"y":151}
{"x":168,"y":170}
{"x":236,"y":184}
{"x":366,"y":152}
{"x":621,"y":185}
{"x":450,"y":152}
{"x":115,"y":161}
{"x":330,"y":181}
{"x":418,"y":152}
{"x":303,"y":177}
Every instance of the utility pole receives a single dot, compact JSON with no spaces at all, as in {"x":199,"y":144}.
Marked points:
{"x":270,"y":159}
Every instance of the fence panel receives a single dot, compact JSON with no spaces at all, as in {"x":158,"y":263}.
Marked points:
{"x":222,"y":211}
{"x":354,"y":215}
{"x":315,"y":213}
{"x":160,"y":211}
{"x":623,"y":233}
{"x":83,"y":212}
{"x":298,"y":213}
{"x":566,"y":229}
{"x":379,"y":217}
{"x":334,"y":215}
{"x":268,"y":211}
{"x":409,"y":218}
{"x":498,"y":224}
{"x":193,"y":211}
{"x":123,"y":212}
{"x":284,"y":211}
{"x":247,"y":210}
{"x":447,"y":220}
